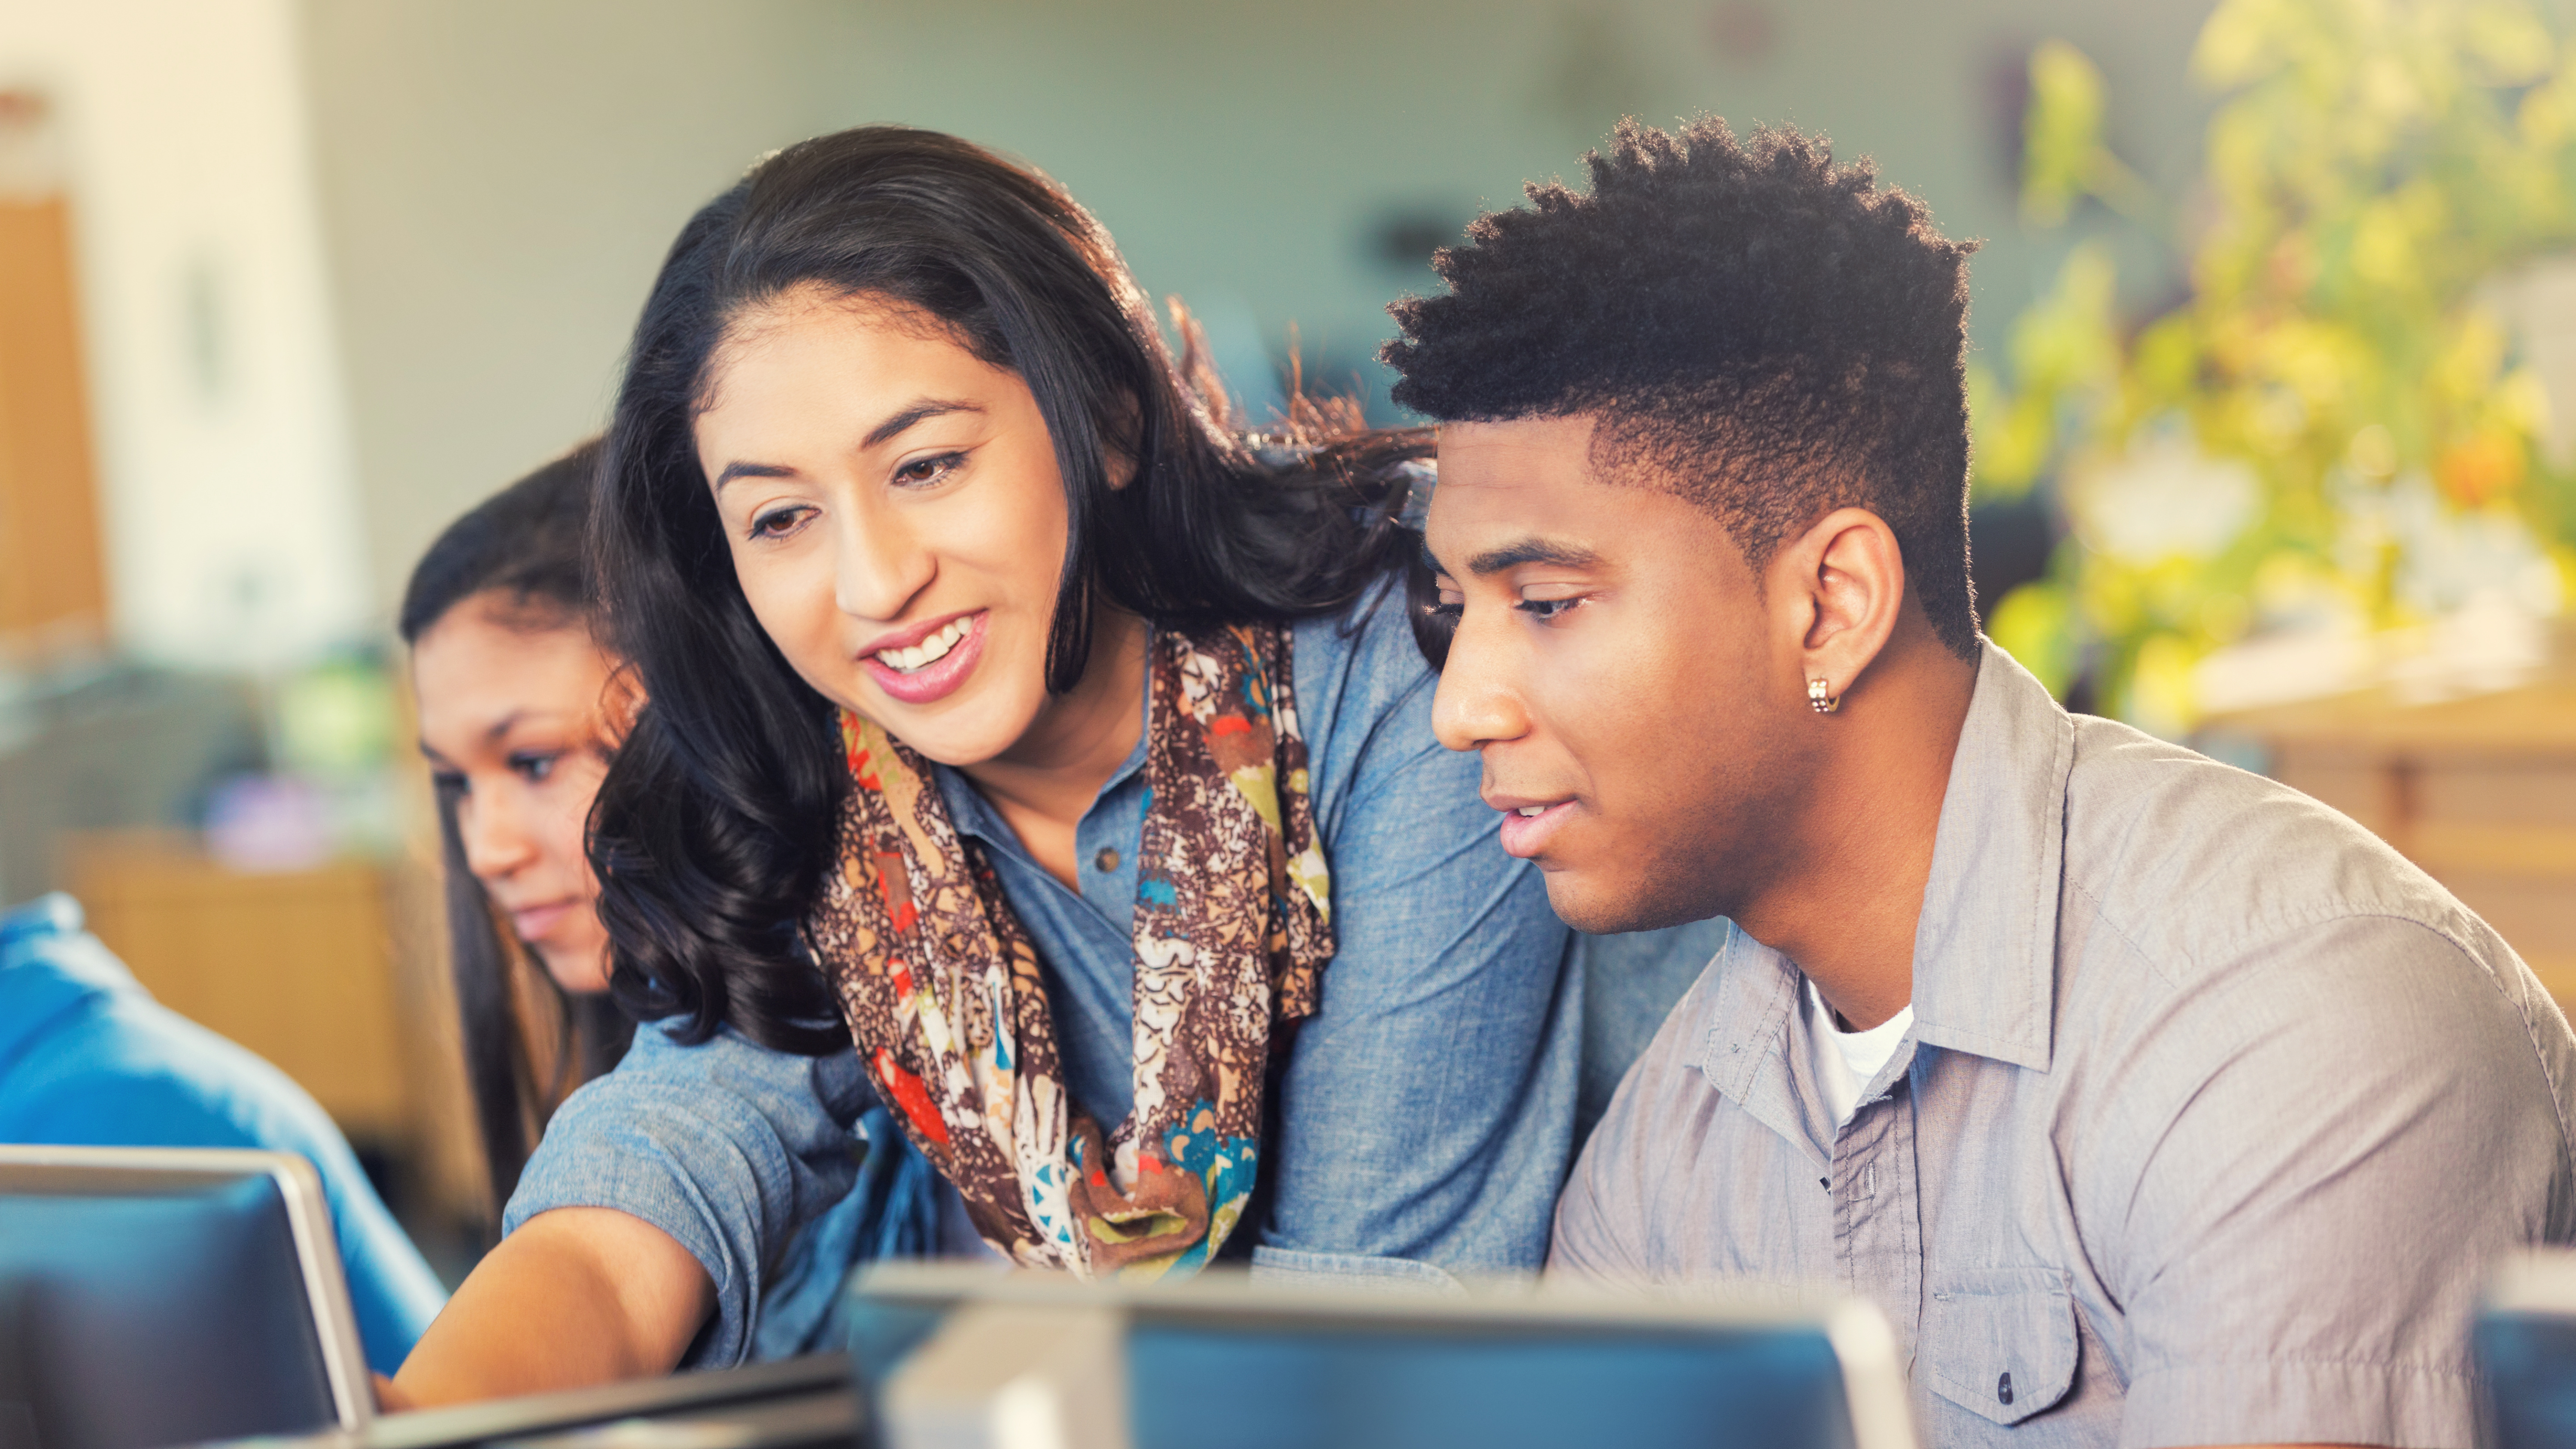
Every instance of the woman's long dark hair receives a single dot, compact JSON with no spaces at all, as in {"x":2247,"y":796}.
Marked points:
{"x":526,"y":546}
{"x":715,"y":823}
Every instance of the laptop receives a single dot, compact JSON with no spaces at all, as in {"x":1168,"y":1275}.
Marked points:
{"x":965,"y":1356}
{"x":799,"y":1403}
{"x":160,"y":1296}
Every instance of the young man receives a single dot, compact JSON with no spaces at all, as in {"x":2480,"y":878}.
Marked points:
{"x":2154,"y":1102}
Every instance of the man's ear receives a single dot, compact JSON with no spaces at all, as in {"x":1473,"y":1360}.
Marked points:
{"x":1841,"y":585}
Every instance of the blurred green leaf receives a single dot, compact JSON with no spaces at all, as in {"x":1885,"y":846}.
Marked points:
{"x":2370,"y":167}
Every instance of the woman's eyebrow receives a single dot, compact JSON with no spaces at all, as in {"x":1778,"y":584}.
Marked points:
{"x":751,"y":470}
{"x":922,"y":411}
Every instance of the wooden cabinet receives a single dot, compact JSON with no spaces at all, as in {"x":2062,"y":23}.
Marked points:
{"x":298,"y":966}
{"x":53,"y":586}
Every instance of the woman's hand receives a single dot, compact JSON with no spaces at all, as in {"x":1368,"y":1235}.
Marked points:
{"x":576,"y":1296}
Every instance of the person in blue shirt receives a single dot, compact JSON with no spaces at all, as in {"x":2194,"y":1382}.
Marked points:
{"x":89,"y":1059}
{"x":1028,"y":754}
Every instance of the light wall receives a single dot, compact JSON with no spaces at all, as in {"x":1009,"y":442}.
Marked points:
{"x":232,"y":512}
{"x":501,"y":177}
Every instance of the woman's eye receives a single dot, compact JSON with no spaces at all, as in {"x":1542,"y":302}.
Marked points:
{"x":921,"y":472}
{"x":777,"y":522}
{"x":533,"y":766}
{"x":1544,"y":609}
{"x":447,"y":782}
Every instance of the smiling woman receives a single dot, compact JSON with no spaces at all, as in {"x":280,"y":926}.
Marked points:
{"x":1031,"y":757}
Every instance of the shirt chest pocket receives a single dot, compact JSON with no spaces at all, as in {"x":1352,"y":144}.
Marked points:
{"x":1999,"y":1342}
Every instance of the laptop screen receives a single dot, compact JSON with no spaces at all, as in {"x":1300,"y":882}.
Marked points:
{"x":141,"y":1313}
{"x":1199,"y":1381}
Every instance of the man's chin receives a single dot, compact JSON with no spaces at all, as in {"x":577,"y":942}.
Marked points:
{"x":1603,"y":908}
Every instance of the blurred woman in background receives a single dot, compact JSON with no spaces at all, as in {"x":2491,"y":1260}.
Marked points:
{"x":520,"y":708}
{"x":517,"y":702}
{"x":1033,"y":753}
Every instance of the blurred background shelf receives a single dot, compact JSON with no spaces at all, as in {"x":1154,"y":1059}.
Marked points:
{"x":296,"y":965}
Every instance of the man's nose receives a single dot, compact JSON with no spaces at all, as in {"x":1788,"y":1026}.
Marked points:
{"x":1478,"y":702}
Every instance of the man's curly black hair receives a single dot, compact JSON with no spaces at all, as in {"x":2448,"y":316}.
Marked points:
{"x":1768,"y":334}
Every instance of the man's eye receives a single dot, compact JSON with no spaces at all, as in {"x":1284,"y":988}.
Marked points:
{"x":923,"y":471}
{"x":1545,"y":608}
{"x":778,"y":522}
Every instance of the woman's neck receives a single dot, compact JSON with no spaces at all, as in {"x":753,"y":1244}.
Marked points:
{"x":1045,"y":781}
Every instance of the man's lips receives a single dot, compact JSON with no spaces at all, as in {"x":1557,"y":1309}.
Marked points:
{"x":1529,"y":824}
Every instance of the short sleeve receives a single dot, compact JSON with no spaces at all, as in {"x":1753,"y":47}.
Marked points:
{"x":2312,"y":1214}
{"x":729,"y":1147}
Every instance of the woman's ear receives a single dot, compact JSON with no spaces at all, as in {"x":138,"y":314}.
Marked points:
{"x":1125,"y":441}
{"x":620,"y":702}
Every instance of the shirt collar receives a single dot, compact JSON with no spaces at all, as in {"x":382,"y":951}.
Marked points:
{"x":48,"y":968}
{"x":1985,"y":951}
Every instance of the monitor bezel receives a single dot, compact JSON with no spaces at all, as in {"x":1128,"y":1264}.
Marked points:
{"x":109,"y":1170}
{"x":1873,"y":1372}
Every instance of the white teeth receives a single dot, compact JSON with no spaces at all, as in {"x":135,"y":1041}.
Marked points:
{"x":1533,"y":810}
{"x":928,"y":651}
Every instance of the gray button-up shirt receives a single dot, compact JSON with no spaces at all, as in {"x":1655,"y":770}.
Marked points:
{"x":2214,"y":1113}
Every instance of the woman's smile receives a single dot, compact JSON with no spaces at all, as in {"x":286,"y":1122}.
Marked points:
{"x":933,"y":665}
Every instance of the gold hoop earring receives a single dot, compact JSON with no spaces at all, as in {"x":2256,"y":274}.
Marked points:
{"x":1821,"y":697}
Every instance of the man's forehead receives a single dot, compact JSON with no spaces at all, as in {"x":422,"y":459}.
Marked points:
{"x":1527,"y":469}
{"x":1508,"y":446}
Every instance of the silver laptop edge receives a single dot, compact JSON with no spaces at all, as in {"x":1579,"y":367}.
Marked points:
{"x":308,"y":1219}
{"x":1872,"y":1371}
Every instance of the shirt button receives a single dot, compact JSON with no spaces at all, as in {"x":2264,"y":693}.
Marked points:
{"x":1106,"y":862}
{"x":2003,"y":1389}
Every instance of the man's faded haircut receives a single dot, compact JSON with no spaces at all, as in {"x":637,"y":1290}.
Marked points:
{"x":1768,"y":334}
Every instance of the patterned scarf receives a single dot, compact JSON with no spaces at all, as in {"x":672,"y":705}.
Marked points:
{"x":940,"y":981}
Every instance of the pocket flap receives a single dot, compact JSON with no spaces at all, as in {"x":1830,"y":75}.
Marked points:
{"x":2000,"y":1343}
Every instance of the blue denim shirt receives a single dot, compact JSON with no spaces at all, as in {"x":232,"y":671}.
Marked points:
{"x":89,"y":1059}
{"x":1426,"y":1112}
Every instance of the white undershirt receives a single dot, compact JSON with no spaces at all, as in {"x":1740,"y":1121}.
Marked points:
{"x":1846,"y":1060}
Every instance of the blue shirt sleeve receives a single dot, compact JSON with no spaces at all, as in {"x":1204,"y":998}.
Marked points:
{"x":1427,"y":1110}
{"x":107,"y":1066}
{"x":732,"y":1149}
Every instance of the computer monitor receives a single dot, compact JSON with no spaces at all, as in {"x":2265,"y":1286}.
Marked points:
{"x":2526,"y":1344}
{"x":160,"y":1296}
{"x":1223,"y":1362}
